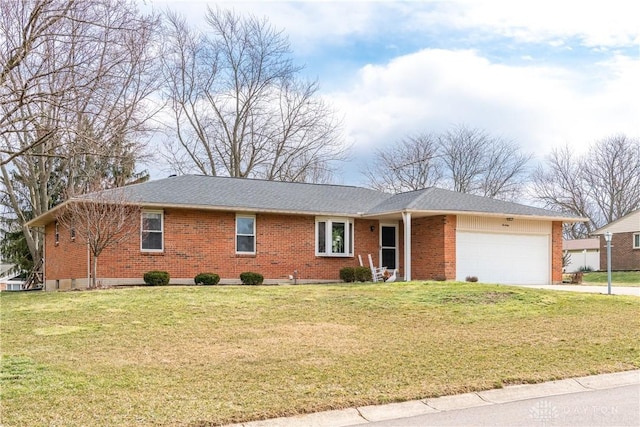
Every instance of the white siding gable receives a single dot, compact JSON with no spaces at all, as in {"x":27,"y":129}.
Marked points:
{"x":626,"y":224}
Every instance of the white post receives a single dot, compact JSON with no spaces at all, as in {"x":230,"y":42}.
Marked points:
{"x":406,"y":218}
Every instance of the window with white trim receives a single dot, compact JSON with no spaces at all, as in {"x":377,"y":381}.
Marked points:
{"x":334,"y":237}
{"x":57,"y":233}
{"x":245,"y":234}
{"x":636,"y":241}
{"x":151,"y":231}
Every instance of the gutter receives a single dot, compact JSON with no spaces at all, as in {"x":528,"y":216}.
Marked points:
{"x":418,"y":213}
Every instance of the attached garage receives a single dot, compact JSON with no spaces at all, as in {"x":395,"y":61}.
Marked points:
{"x":503,"y":250}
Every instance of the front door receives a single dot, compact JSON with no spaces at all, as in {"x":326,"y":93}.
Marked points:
{"x":389,"y":246}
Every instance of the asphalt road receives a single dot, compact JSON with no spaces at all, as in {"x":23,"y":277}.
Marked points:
{"x":619,"y":406}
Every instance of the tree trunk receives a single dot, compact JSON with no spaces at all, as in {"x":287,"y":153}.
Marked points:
{"x":95,"y":272}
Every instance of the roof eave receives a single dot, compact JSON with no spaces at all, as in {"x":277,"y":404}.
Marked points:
{"x":247,"y":209}
{"x":46,"y":217}
{"x":562,"y":218}
{"x":50,"y":215}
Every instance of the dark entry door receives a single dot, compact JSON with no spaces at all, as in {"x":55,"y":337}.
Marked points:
{"x":388,"y":246}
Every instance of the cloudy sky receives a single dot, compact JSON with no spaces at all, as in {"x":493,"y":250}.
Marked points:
{"x":541,"y":73}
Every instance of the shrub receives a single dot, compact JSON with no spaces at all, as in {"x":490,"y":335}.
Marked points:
{"x":249,"y":278}
{"x":439,"y":277}
{"x":207,"y":279}
{"x":586,"y":269}
{"x":156,"y":278}
{"x":348,"y":274}
{"x":471,"y":279}
{"x":363,"y":274}
{"x":576,"y":277}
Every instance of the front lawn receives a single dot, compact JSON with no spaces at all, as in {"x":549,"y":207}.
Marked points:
{"x":618,"y":278}
{"x":203,"y":356}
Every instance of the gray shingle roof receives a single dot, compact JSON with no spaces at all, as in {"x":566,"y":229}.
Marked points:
{"x":251,"y":195}
{"x":439,"y":200}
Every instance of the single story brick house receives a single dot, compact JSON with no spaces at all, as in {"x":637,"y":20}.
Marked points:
{"x":625,"y":242}
{"x":192,"y":224}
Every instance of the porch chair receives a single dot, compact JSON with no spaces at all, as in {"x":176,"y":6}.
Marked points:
{"x":376,"y":272}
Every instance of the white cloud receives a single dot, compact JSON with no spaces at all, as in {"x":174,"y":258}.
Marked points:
{"x":538,"y":107}
{"x":308,"y":24}
{"x":543,"y":101}
{"x":596,"y":23}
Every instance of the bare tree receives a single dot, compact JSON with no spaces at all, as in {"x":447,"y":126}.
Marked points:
{"x":25,"y":27}
{"x":612,"y":174}
{"x":463,"y":159}
{"x":558,"y":185}
{"x":101,"y":220}
{"x":602,"y":185}
{"x":478,"y":163}
{"x":74,"y":106}
{"x":411,"y":164}
{"x":238,"y":105}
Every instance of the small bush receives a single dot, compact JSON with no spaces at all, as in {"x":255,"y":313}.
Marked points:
{"x":249,"y":278}
{"x":586,"y":269}
{"x":576,"y":278}
{"x":439,"y":278}
{"x":363,"y":274}
{"x":471,"y":279}
{"x":156,"y":278}
{"x":348,"y":274}
{"x":207,"y":279}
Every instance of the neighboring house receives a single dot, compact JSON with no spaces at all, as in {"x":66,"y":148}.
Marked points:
{"x":583,"y":253}
{"x":192,"y":224}
{"x":625,"y":242}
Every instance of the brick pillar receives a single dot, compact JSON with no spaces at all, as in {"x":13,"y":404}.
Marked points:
{"x":556,"y":252}
{"x":449,"y":242}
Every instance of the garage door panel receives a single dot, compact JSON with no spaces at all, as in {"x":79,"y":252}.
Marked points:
{"x":503,"y":258}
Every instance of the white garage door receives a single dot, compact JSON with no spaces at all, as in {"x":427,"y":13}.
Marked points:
{"x":503,"y":258}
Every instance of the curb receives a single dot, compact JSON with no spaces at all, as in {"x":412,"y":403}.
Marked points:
{"x":366,"y":414}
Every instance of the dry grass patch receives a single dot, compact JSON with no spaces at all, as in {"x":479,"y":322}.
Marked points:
{"x":213,"y":355}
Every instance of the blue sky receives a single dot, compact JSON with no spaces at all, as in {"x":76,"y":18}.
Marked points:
{"x":541,"y":73}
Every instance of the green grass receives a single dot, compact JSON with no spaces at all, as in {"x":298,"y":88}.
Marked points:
{"x":202,"y":356}
{"x":618,"y":278}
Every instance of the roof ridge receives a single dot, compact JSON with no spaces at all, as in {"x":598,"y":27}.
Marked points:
{"x":268,"y":181}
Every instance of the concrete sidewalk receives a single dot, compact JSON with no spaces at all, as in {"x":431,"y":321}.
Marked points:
{"x":369,"y":414}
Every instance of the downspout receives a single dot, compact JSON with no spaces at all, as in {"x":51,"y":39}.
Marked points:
{"x":406,"y":219}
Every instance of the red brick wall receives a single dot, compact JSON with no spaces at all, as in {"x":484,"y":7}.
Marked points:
{"x":433,"y":247}
{"x":66,"y":259}
{"x":623,"y":256}
{"x":204,"y":241}
{"x":556,"y":252}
